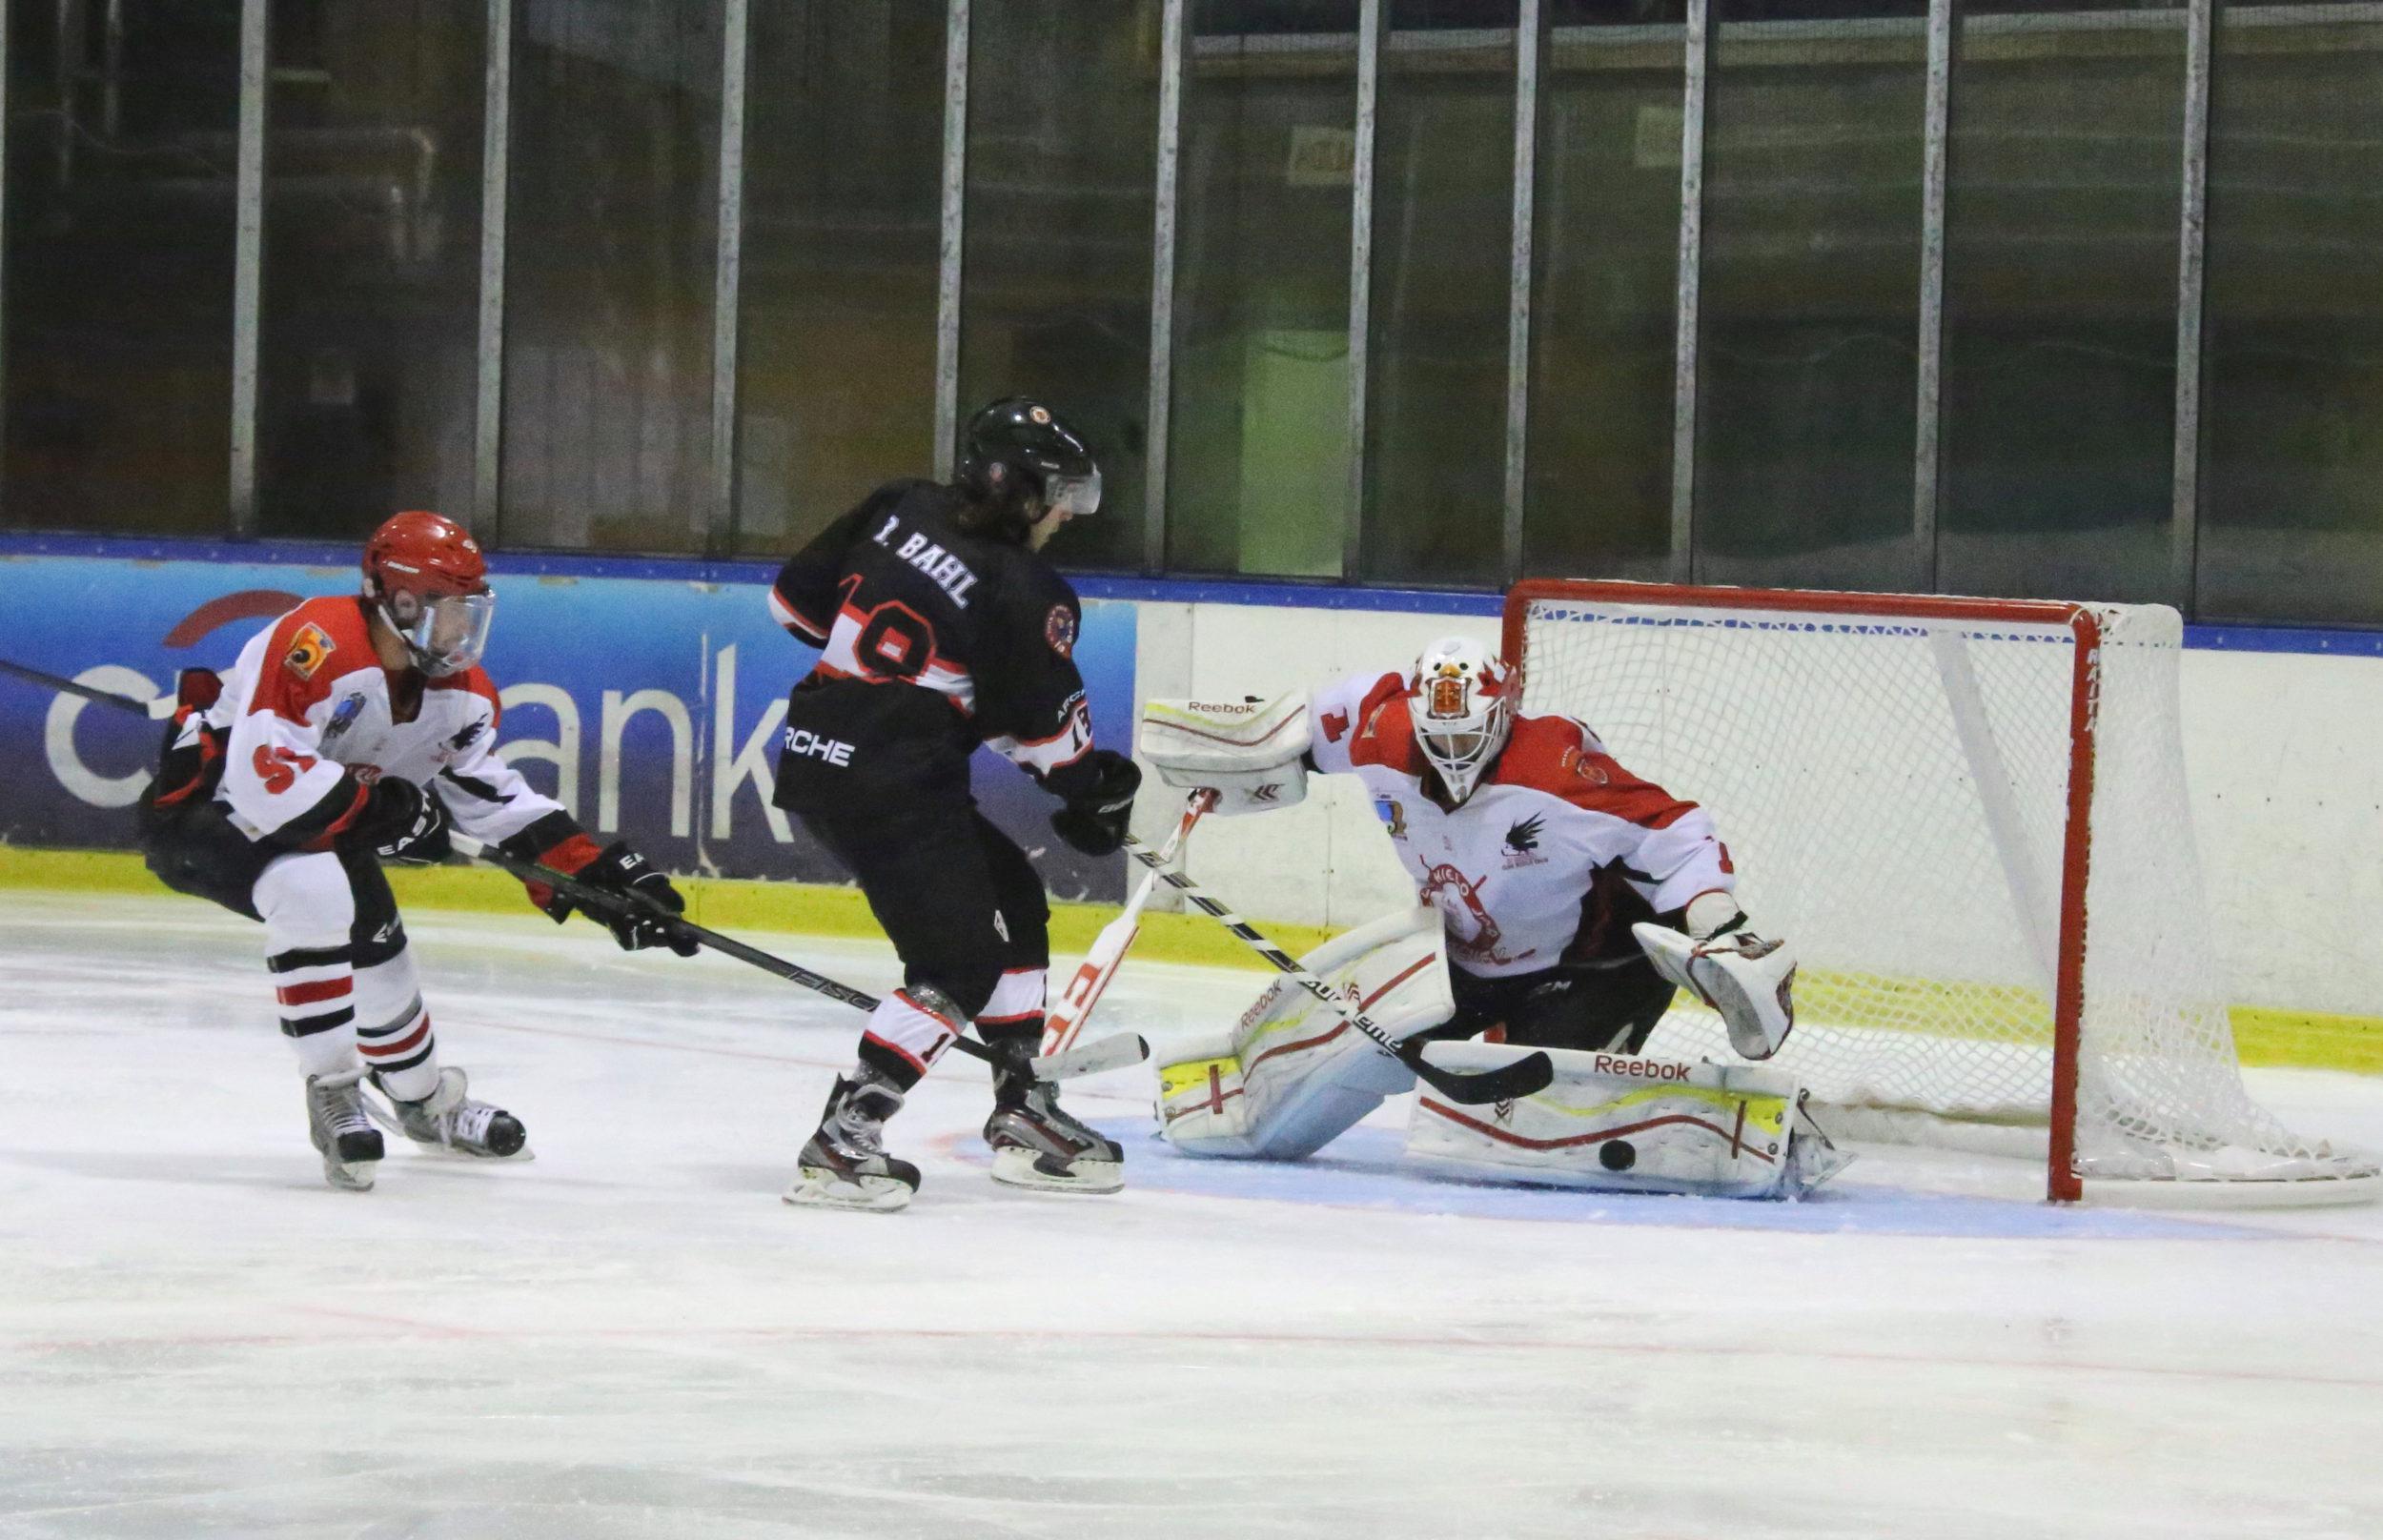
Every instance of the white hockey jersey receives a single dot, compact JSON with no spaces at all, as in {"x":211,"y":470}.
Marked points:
{"x":1555,"y":853}
{"x":308,"y":724}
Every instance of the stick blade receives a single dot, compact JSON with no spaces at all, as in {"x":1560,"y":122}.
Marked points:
{"x":1510,"y":1081}
{"x":1114,"y":1051}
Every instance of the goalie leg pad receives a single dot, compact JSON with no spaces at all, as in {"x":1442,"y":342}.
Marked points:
{"x":1293,"y":1075}
{"x":1610,"y":1124}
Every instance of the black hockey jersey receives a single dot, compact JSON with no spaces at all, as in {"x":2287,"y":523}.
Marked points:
{"x":933,"y":641}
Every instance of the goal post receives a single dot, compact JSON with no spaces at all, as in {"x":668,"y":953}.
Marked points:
{"x":1969,"y":816}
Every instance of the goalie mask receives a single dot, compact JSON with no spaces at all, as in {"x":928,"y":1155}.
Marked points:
{"x":1461,"y":702}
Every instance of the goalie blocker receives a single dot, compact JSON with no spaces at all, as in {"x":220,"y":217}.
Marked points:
{"x":1291,"y":1077}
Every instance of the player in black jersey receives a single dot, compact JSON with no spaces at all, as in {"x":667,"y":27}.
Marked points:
{"x":941,"y":627}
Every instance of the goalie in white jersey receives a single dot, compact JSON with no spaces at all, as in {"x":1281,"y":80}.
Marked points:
{"x":1564,"y":901}
{"x":1542,"y":854}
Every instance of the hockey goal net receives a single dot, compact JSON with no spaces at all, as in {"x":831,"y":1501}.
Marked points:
{"x":1969,"y":818}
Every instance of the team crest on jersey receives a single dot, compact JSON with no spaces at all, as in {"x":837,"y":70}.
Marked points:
{"x":342,"y":719}
{"x":1589,"y":771}
{"x":1473,"y":933}
{"x":1522,"y":843}
{"x":1059,"y":630}
{"x":307,"y":651}
{"x":1393,"y":816}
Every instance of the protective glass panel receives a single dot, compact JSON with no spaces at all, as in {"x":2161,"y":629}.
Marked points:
{"x":1604,"y":295}
{"x":843,"y":201}
{"x":2292,"y":428}
{"x":1056,"y":296}
{"x":1443,"y":221}
{"x":368,"y":351}
{"x":610,"y":241}
{"x":1807,"y":364}
{"x":121,"y":180}
{"x":2060,"y":301}
{"x":1258,"y":458}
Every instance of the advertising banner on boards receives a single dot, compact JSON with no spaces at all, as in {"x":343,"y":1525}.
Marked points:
{"x":652,"y":707}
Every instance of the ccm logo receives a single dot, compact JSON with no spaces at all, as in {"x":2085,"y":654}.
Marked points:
{"x":803,"y":741}
{"x":1641,"y":1068}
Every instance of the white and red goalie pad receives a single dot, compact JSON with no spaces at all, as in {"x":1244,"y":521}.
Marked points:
{"x":1614,"y":1123}
{"x":1247,"y":752}
{"x":1292,"y":1074}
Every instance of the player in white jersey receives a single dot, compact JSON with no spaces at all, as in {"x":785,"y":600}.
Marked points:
{"x":1541,"y":853}
{"x":351,"y":731}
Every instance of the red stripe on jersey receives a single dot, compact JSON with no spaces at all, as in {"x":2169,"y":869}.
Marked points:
{"x":1385,"y":733}
{"x":311,"y":994}
{"x":287,"y":693}
{"x":571,"y":856}
{"x":1556,"y":755}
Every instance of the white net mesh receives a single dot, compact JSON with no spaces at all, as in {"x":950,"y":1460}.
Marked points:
{"x":1894,"y":794}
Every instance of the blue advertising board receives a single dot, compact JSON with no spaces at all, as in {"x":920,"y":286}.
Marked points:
{"x":651,"y":707}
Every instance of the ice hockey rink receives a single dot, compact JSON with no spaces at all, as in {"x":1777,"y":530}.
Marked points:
{"x":634,"y":1337}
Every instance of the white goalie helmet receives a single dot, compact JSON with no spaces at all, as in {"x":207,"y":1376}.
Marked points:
{"x":1461,"y":702}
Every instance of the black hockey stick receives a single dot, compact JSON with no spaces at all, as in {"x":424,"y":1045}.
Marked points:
{"x":105,"y":697}
{"x":1507,"y":1082}
{"x":1110,"y":1052}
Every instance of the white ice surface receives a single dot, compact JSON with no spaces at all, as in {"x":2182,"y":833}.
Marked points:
{"x":633,"y":1337}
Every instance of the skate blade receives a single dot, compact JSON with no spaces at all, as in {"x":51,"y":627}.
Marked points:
{"x":349,"y":1176}
{"x":817,"y":1188}
{"x":1014,"y":1167}
{"x":457,"y":1152}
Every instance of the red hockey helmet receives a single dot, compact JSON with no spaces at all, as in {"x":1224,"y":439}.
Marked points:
{"x":431,"y":583}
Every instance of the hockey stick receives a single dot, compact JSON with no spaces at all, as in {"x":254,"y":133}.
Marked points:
{"x":107,"y":698}
{"x":1108,"y":948}
{"x":1109,"y":1053}
{"x":1506,"y":1083}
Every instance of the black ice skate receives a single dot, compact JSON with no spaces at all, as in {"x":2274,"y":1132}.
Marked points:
{"x":845,"y":1166}
{"x":1035,"y":1145}
{"x":346,"y":1138}
{"x":449,"y":1120}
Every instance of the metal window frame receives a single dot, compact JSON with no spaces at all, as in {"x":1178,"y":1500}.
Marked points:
{"x":1934,"y":168}
{"x":4,"y":250}
{"x":1530,"y":35}
{"x":1159,"y":411}
{"x":248,"y":260}
{"x":1361,"y":279}
{"x":719,"y":532}
{"x":954,"y":230}
{"x":488,"y":406}
{"x":2191,"y":256}
{"x":1683,"y":432}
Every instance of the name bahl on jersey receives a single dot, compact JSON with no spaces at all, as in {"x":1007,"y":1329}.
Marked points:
{"x":895,"y":596}
{"x":1558,"y":848}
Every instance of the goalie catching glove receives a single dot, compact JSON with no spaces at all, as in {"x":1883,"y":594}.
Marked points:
{"x":1252,"y":754}
{"x":1749,"y":980}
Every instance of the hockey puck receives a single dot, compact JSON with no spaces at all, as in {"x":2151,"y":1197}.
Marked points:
{"x":1617,"y":1155}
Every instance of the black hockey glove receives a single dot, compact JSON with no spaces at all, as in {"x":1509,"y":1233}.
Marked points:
{"x":1094,"y":820}
{"x":621,"y":870}
{"x":403,"y":824}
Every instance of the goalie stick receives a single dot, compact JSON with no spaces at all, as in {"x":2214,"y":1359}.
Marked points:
{"x":1508,"y":1082}
{"x":1113,"y":1052}
{"x":1099,"y":964}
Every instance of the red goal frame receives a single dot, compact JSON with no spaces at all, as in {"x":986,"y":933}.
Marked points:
{"x":2062,"y":1181}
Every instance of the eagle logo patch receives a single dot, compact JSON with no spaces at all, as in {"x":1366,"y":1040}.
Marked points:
{"x":1059,"y":630}
{"x":307,"y":651}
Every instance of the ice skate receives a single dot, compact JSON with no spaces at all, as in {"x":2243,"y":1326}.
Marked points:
{"x":449,"y":1120}
{"x":845,"y":1166}
{"x":346,"y":1138}
{"x":1035,"y":1144}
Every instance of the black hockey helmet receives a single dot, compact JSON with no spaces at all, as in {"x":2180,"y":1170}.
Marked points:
{"x":1017,"y":454}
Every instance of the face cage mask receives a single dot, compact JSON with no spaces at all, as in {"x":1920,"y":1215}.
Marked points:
{"x":449,"y":633}
{"x":1460,"y":754}
{"x":1078,"y":495}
